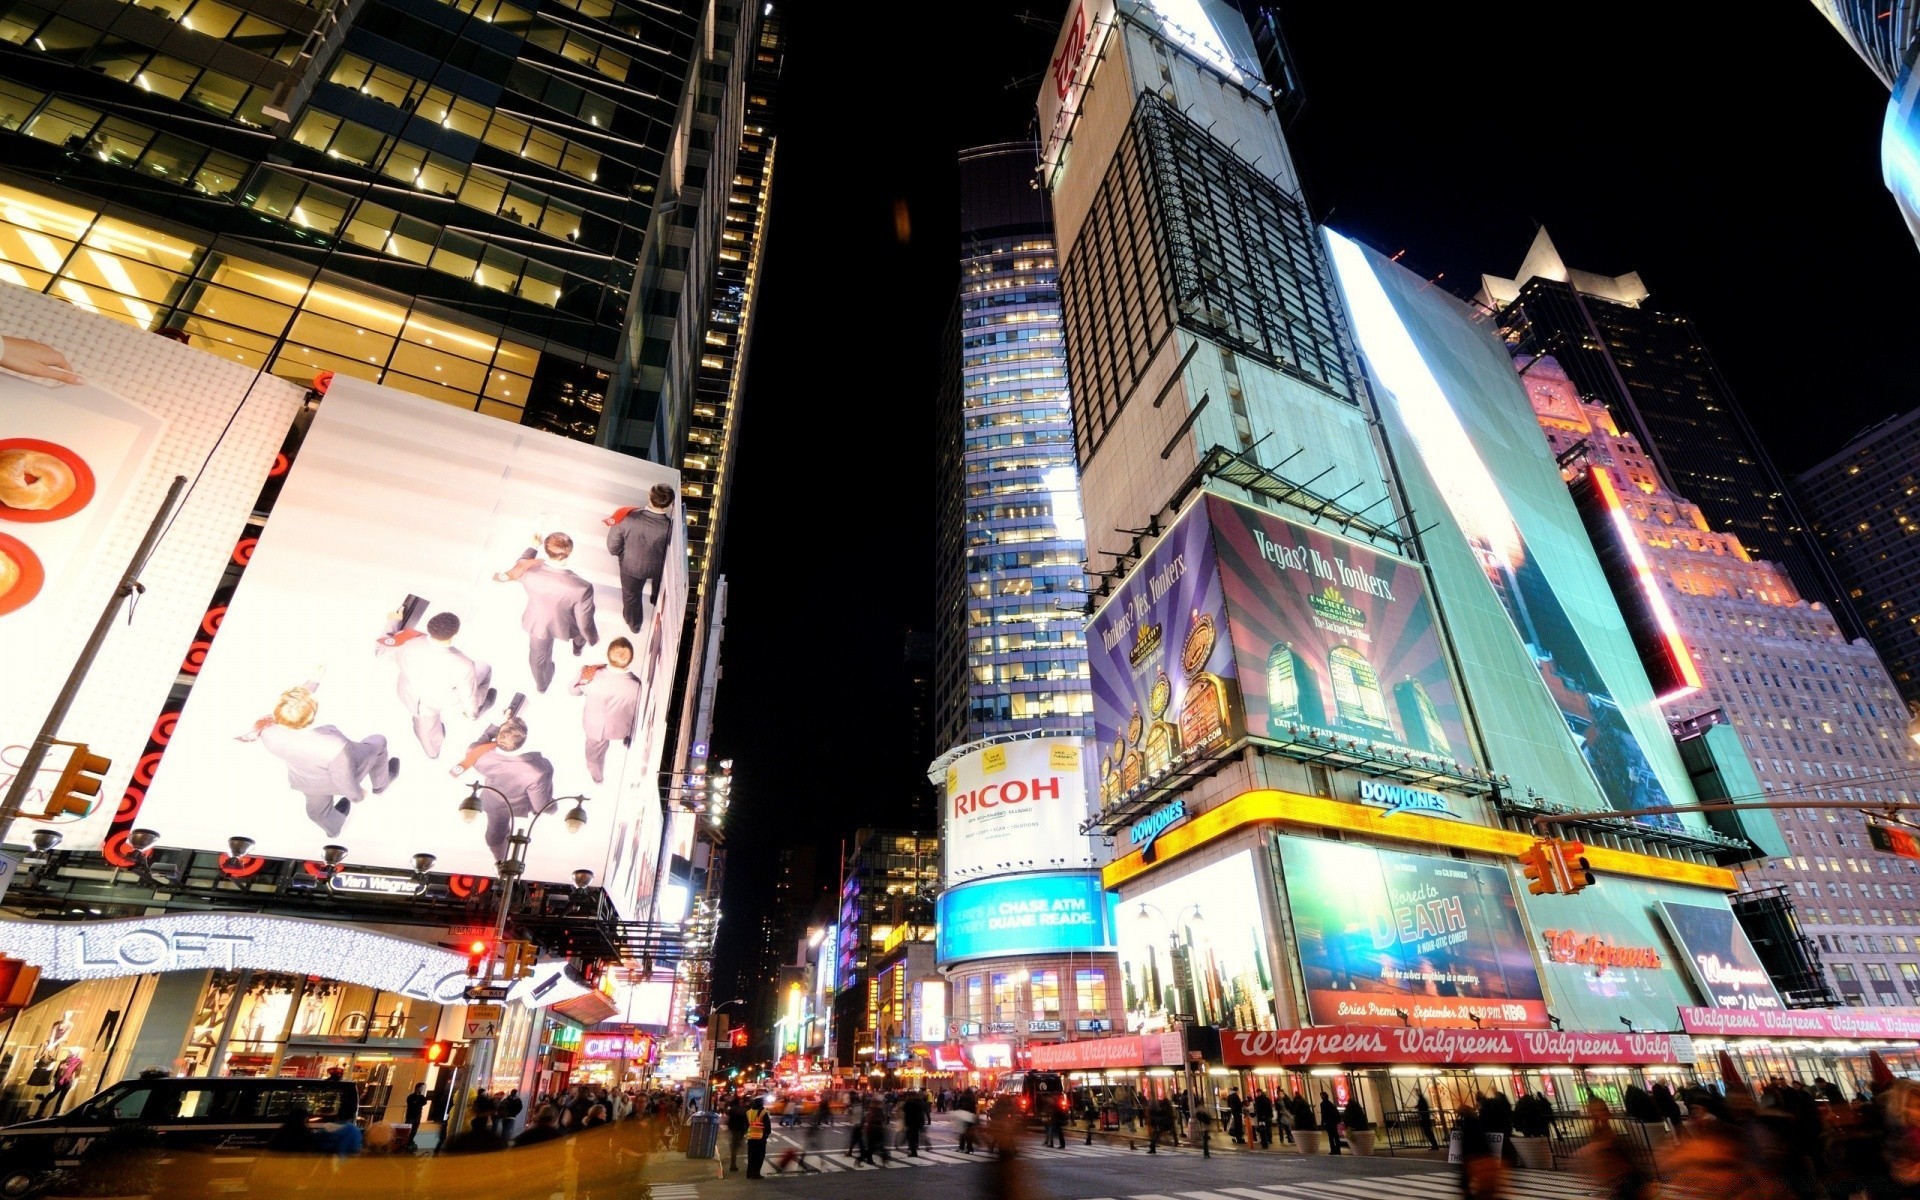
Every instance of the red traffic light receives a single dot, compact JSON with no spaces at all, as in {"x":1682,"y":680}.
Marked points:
{"x":476,"y":955}
{"x":439,"y":1052}
{"x":738,"y":1039}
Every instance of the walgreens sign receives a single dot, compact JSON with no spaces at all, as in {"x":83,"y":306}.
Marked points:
{"x":1367,"y":1045}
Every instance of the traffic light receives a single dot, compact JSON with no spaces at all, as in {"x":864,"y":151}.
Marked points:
{"x":738,"y":1038}
{"x":1541,"y":867}
{"x":1574,"y":871}
{"x":518,"y":959}
{"x":79,"y":787}
{"x":476,"y":957}
{"x":439,"y":1052}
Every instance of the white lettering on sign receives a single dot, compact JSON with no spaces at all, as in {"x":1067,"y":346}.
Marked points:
{"x":1397,"y":799}
{"x":232,"y":942}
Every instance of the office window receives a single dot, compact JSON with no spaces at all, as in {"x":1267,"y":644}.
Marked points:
{"x":1090,"y":991}
{"x":1044,"y":987}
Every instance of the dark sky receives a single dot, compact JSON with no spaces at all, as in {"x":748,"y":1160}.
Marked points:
{"x":1733,"y":162}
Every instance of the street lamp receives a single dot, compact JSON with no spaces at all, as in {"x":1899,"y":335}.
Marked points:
{"x":1183,"y":983}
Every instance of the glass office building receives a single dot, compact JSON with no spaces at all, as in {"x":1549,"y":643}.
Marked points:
{"x":496,"y":203}
{"x":1010,"y":542}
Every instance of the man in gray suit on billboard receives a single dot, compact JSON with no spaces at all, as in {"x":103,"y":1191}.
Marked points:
{"x":559,"y":605}
{"x":323,"y":764}
{"x":613,"y":704}
{"x":522,"y":778}
{"x":435,"y":677}
{"x":641,"y":538}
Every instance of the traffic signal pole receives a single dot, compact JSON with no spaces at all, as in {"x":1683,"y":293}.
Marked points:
{"x":16,"y":797}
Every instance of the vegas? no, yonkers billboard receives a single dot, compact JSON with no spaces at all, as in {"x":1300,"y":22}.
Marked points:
{"x":96,"y":418}
{"x":409,"y":594}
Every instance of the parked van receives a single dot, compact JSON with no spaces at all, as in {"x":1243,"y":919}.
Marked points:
{"x":1035,"y":1091}
{"x":211,"y":1114}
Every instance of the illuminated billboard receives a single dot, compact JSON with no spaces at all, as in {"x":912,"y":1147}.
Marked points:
{"x":1723,"y":963}
{"x":1382,"y":933}
{"x":1242,"y":622}
{"x":1015,"y":806}
{"x":1535,"y":625}
{"x":96,"y":418}
{"x":1024,"y":914}
{"x":1196,"y":947}
{"x":441,"y":601}
{"x":1077,"y":53}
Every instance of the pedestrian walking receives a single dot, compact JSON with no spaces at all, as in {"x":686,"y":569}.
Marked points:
{"x":1090,"y":1114}
{"x":1236,"y":1117}
{"x":417,"y":1101}
{"x":1423,"y":1117}
{"x":1200,"y":1128}
{"x":913,"y":1119}
{"x":1263,"y":1119}
{"x":1159,"y":1124}
{"x":1330,"y":1121}
{"x":1482,"y":1174}
{"x":736,"y":1131}
{"x":758,"y":1120}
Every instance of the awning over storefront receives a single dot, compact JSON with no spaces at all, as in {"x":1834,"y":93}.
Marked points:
{"x":1369,"y":1045}
{"x":1141,"y":1050}
{"x":234,"y":942}
{"x":1803,"y":1023}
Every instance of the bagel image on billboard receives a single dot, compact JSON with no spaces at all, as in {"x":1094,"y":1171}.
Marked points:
{"x":97,"y":417}
{"x":1015,"y":806}
{"x":450,"y":625}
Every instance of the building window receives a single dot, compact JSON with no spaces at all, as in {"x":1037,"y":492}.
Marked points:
{"x":976,"y":998}
{"x":1090,"y":991}
{"x":1006,"y":998}
{"x":1044,"y":986}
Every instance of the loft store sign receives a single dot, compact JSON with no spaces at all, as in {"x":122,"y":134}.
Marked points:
{"x":1397,"y":799}
{"x":234,"y":942}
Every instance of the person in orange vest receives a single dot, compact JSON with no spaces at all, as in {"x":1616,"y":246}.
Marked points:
{"x":756,"y":1136}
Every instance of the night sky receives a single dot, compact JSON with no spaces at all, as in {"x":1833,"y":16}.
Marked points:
{"x":1731,"y":159}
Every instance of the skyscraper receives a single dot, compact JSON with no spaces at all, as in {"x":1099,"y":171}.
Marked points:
{"x":1862,"y":505}
{"x":1818,"y":715}
{"x":1009,"y":541}
{"x":1886,"y":36}
{"x":1653,"y":373}
{"x":455,"y":199}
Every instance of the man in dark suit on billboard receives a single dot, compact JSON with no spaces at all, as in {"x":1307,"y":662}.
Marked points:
{"x":323,"y":764}
{"x":521,"y":779}
{"x":435,"y":677}
{"x":559,"y":605}
{"x":641,"y":539}
{"x":613,"y":704}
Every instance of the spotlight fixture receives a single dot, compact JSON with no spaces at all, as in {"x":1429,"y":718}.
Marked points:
{"x":582,"y":878}
{"x":422,"y":863}
{"x":237,"y":847}
{"x":142,"y":840}
{"x":333,"y":855}
{"x":44,"y":840}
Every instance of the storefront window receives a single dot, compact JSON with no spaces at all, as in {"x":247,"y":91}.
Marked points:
{"x":62,"y":1050}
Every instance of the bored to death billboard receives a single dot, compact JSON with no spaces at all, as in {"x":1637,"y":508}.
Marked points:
{"x":1382,"y":932}
{"x":441,"y":599}
{"x":1241,"y":622}
{"x":96,"y":419}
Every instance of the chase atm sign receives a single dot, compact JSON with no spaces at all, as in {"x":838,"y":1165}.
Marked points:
{"x":1026,"y":914}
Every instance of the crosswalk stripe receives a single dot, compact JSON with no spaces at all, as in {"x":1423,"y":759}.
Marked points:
{"x":1249,"y":1193}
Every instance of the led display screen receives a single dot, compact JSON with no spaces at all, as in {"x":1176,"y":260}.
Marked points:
{"x":1196,"y":947}
{"x":1383,"y":933}
{"x":1026,"y":914}
{"x":96,"y":419}
{"x":441,"y":605}
{"x":1721,"y":960}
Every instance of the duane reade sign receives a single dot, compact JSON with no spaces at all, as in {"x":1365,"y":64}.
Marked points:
{"x":1016,"y":806}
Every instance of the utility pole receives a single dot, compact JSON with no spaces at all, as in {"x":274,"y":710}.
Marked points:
{"x":129,"y":584}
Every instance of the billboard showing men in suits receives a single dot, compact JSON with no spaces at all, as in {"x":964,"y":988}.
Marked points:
{"x":382,"y":562}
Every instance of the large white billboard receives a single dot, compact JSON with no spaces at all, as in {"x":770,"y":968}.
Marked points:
{"x":1015,"y":806}
{"x":96,"y":418}
{"x":441,"y":599}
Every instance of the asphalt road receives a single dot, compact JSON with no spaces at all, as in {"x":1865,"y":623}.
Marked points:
{"x":1106,"y":1172}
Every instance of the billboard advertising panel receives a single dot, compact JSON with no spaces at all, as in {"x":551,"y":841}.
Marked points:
{"x":1605,"y":954}
{"x":1076,"y":54}
{"x":1197,"y":946}
{"x":1723,"y":963}
{"x":1166,"y":689}
{"x":96,"y":418}
{"x":1015,"y":806}
{"x":1334,"y":636}
{"x":441,"y":600}
{"x":1382,"y":932}
{"x":1530,"y":610}
{"x":1025,"y":914}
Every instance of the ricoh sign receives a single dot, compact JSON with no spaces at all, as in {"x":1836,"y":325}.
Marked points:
{"x":1015,"y":806}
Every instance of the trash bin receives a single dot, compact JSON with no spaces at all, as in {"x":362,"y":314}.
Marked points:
{"x":703,"y":1135}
